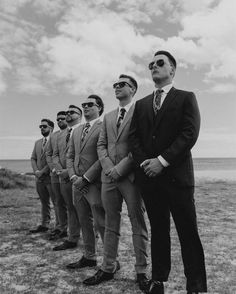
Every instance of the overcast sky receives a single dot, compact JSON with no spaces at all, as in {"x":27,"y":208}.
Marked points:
{"x":57,"y":52}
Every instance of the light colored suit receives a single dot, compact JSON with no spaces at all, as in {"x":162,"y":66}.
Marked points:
{"x":59,"y":161}
{"x":82,"y":160}
{"x":113,"y":152}
{"x":58,"y":201}
{"x":43,"y":184}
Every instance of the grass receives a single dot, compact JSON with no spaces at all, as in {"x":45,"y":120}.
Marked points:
{"x":12,"y":180}
{"x":28,"y":264}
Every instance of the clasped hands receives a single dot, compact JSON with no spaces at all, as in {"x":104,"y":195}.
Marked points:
{"x":80,"y":184}
{"x":112,"y":174}
{"x":152,"y":167}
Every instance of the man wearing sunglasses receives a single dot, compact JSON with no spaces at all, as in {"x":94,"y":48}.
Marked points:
{"x":42,"y":174}
{"x":84,"y":170}
{"x":73,"y":119}
{"x":118,"y":186}
{"x":164,"y":128}
{"x":60,"y":230}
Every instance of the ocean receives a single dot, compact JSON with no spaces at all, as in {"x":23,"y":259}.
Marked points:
{"x":211,"y":168}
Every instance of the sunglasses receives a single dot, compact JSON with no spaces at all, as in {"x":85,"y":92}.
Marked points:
{"x":159,"y":62}
{"x":71,"y":112}
{"x":88,"y":104}
{"x":43,"y":126}
{"x":59,"y":119}
{"x":120,"y":85}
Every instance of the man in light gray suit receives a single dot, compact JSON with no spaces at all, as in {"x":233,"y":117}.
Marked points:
{"x":84,"y":169}
{"x":73,"y":118}
{"x":60,"y":230}
{"x":118,"y":185}
{"x":42,"y":175}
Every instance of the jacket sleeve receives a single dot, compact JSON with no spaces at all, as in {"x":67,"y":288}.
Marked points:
{"x":93,"y":172}
{"x":135,"y":146}
{"x":70,"y":157}
{"x":34,"y":159}
{"x":55,"y":157}
{"x":188,"y":132}
{"x":102,"y":151}
{"x":48,"y":153}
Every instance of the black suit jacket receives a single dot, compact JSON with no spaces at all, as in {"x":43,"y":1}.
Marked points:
{"x":171,"y":134}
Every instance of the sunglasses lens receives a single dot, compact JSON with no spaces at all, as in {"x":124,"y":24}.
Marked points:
{"x":160,"y":62}
{"x":43,"y":127}
{"x":59,"y":119}
{"x":150,"y":66}
{"x":119,"y":85}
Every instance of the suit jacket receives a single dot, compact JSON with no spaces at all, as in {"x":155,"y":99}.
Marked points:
{"x":82,"y":158}
{"x":59,"y":153}
{"x":52,"y":141}
{"x":38,"y":161}
{"x":112,"y":147}
{"x":171,"y":133}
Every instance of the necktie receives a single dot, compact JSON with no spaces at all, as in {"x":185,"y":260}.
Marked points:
{"x":121,"y":117}
{"x":68,"y":135}
{"x":44,"y":142}
{"x":85,"y":131}
{"x":157,"y":100}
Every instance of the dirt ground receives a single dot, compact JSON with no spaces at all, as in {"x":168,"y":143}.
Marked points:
{"x":28,"y":264}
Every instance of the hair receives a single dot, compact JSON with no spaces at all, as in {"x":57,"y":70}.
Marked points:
{"x":99,"y":102}
{"x":74,"y":106}
{"x":170,"y":57}
{"x":49,"y":122}
{"x":61,"y":113}
{"x":133,"y":81}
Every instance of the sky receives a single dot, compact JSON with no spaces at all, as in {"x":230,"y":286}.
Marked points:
{"x":54,"y":53}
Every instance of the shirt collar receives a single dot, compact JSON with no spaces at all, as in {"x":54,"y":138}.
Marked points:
{"x":126,"y":107}
{"x":92,"y":122}
{"x":166,"y":88}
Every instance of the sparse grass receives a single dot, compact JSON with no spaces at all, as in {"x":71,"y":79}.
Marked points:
{"x":28,"y":264}
{"x":13,"y":180}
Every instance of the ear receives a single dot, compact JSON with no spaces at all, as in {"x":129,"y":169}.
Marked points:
{"x":172,"y":71}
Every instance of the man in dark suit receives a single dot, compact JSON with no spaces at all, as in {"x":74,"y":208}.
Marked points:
{"x":60,"y":230}
{"x":118,"y":186}
{"x":164,"y":128}
{"x":84,"y":170}
{"x":42,"y":174}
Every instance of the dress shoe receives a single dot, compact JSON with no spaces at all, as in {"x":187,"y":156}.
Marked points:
{"x":143,"y":282}
{"x":55,"y":237}
{"x":66,"y":245}
{"x":83,"y":262}
{"x":156,"y":287}
{"x":98,"y":278}
{"x":55,"y":232}
{"x":39,"y":229}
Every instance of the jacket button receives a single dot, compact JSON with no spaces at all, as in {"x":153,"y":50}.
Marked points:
{"x":154,"y":137}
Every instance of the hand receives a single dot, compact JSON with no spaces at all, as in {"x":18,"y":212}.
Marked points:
{"x":38,"y":174}
{"x":152,"y":167}
{"x":78,"y":182}
{"x":54,"y":172}
{"x":113,"y":174}
{"x":63,"y":174}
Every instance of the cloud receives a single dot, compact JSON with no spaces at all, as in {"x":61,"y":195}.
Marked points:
{"x":223,"y":88}
{"x":4,"y":66}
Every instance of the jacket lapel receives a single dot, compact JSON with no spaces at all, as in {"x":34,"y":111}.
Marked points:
{"x":114,"y":116}
{"x":125,"y":121}
{"x":169,"y":98}
{"x":93,"y":128}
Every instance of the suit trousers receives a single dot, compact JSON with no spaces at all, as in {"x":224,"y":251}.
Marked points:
{"x":161,"y":198}
{"x":91,"y":217}
{"x":44,"y":191}
{"x":60,"y":207}
{"x":73,"y":220}
{"x":113,"y":195}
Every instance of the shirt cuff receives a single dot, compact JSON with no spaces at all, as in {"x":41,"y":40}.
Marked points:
{"x":86,"y":178}
{"x":72,"y":177}
{"x":163,"y":161}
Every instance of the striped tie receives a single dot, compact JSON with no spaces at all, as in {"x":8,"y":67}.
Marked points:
{"x":157,"y":100}
{"x":68,"y":135}
{"x":121,"y":117}
{"x":85,"y":131}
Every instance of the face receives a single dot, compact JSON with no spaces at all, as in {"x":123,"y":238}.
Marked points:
{"x":61,"y":121}
{"x":45,"y":129}
{"x":123,"y":89}
{"x":90,"y":109}
{"x":72,"y":114}
{"x":162,"y":70}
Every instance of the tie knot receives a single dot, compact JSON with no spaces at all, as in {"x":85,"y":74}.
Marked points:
{"x":87,"y":125}
{"x":159,"y":91}
{"x":122,"y":112}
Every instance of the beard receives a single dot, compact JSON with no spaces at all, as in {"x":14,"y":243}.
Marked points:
{"x":45,"y":134}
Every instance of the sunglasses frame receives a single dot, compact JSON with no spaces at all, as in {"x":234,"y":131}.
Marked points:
{"x":43,"y":126}
{"x":118,"y":84}
{"x":73,"y":112}
{"x":88,"y":104}
{"x":159,"y":62}
{"x":58,"y":119}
